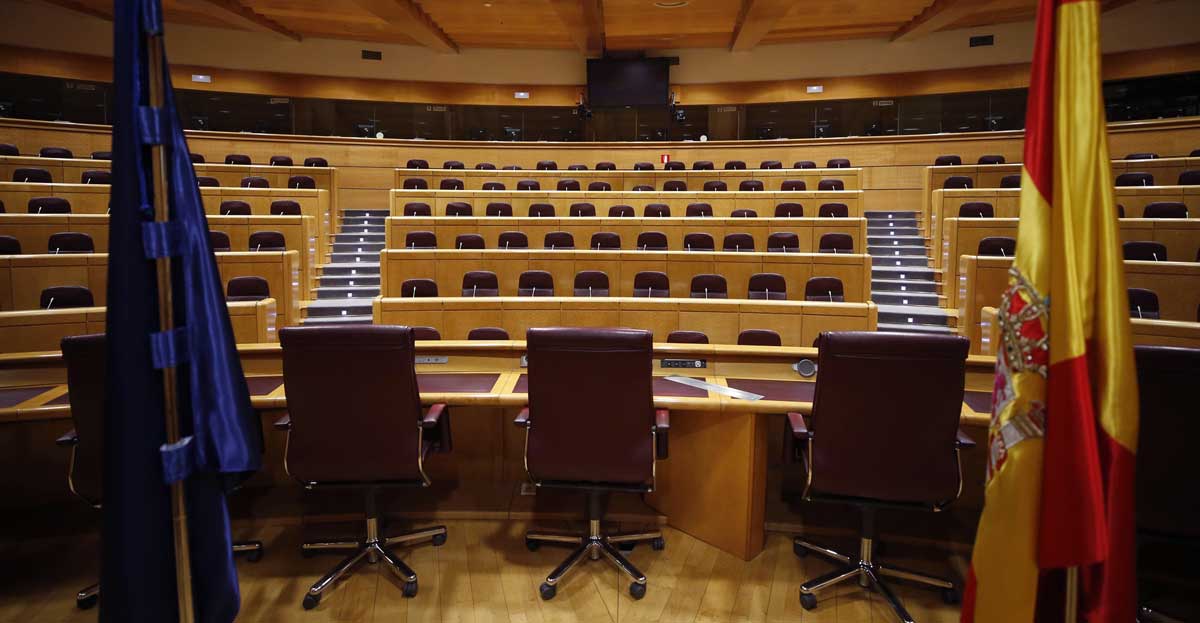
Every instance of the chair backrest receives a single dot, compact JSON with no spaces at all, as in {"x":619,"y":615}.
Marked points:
{"x":424,"y":334}
{"x":237,"y":159}
{"x":419,"y":288}
{"x":528,"y":185}
{"x":734,"y":165}
{"x":234,"y":207}
{"x":698,"y":242}
{"x":656,"y":210}
{"x":770,"y":164}
{"x":643,"y":188}
{"x":652,"y":241}
{"x":643,"y":166}
{"x":789,"y":209}
{"x":315,"y":161}
{"x":86,"y":357}
{"x":767,"y":286}
{"x":70,"y":242}
{"x":493,"y":186}
{"x":1165,"y":209}
{"x":621,"y":211}
{"x":715,"y":186}
{"x":582,"y":209}
{"x":804,"y":164}
{"x":824,"y":290}
{"x":95,"y":177}
{"x":451,"y":183}
{"x":738,"y":243}
{"x":599,"y":186}
{"x":66,"y":297}
{"x":676,"y":165}
{"x":958,"y":181}
{"x":547,"y":165}
{"x":791,"y":185}
{"x":8,"y":149}
{"x":991,"y":159}
{"x":49,"y":205}
{"x":1135,"y":179}
{"x":255,"y":181}
{"x":1145,"y":250}
{"x":976,"y":209}
{"x":915,"y":403}
{"x":9,"y":246}
{"x":218,"y":240}
{"x":743,"y":213}
{"x":687,"y":337}
{"x":611,"y":370}
{"x":420,"y":240}
{"x":1120,"y":211}
{"x":674,"y":185}
{"x":247,"y":289}
{"x":285,"y":207}
{"x":1001,"y":246}
{"x":1141,"y":155}
{"x":453,"y":164}
{"x":480,"y":283}
{"x":605,"y":240}
{"x":541,"y":209}
{"x":511,"y":167}
{"x":838,"y":163}
{"x":567,"y":185}
{"x":651,"y":284}
{"x":196,"y":158}
{"x":487,"y":333}
{"x":750,"y":185}
{"x":485,"y":166}
{"x":698,"y":209}
{"x":759,"y":337}
{"x":417,"y":208}
{"x":267,"y":241}
{"x":833,"y":210}
{"x":606,"y":166}
{"x":32,"y":175}
{"x":709,"y":286}
{"x":1189,"y":178}
{"x":415,"y":183}
{"x":947,"y":161}
{"x":458,"y":208}
{"x":1143,"y":303}
{"x":498,"y":208}
{"x":783,"y":242}
{"x":469,"y":241}
{"x":1167,"y":424}
{"x":376,"y":423}
{"x":204,"y":181}
{"x":836,"y":243}
{"x":417,"y":163}
{"x":831,"y":184}
{"x":535,"y":283}
{"x":512,"y":240}
{"x":281,"y":161}
{"x":558,"y":240}
{"x":591,"y":283}
{"x":56,"y":152}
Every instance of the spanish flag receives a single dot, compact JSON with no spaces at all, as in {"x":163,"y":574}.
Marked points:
{"x":1063,"y":434}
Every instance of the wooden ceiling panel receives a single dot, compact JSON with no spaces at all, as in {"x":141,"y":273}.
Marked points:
{"x":636,"y":24}
{"x":500,"y":23}
{"x":996,"y":12}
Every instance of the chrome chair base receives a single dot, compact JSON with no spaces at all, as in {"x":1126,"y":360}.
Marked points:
{"x":372,"y":549}
{"x":592,"y":546}
{"x":869,"y":573}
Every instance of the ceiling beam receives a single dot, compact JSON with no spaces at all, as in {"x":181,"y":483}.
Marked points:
{"x":79,"y":7}
{"x":412,"y":20}
{"x":936,"y":16}
{"x":584,"y":20}
{"x":244,"y":17}
{"x":756,"y":19}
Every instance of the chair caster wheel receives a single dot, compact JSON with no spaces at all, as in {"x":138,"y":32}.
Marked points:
{"x":799,"y":550}
{"x":951,"y":596}
{"x":658,"y":544}
{"x":311,"y":601}
{"x":532,"y":546}
{"x":626,"y":547}
{"x":439,"y":540}
{"x":410,"y":589}
{"x":547,"y":591}
{"x":808,"y":602}
{"x":87,"y":603}
{"x":637,"y":591}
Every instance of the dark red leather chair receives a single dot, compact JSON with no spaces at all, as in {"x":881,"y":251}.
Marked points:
{"x":247,"y":289}
{"x":599,"y":186}
{"x":49,"y":205}
{"x":95,"y":177}
{"x":267,"y":241}
{"x":831,"y":184}
{"x":759,"y":337}
{"x":558,"y":240}
{"x":415,"y":183}
{"x":835,"y":243}
{"x":698,"y":210}
{"x":528,"y":185}
{"x":70,"y":242}
{"x":804,"y":164}
{"x":958,"y":181}
{"x":743,"y":213}
{"x":824,"y":290}
{"x":219,"y":241}
{"x":1001,"y":246}
{"x":196,"y":158}
{"x":493,"y":186}
{"x":567,"y":185}
{"x":480,"y":283}
{"x":738,"y":243}
{"x":255,"y":181}
{"x":1143,"y":155}
{"x":234,"y":207}
{"x":606,"y":166}
{"x":976,"y":209}
{"x":581,"y":209}
{"x":285,"y":207}
{"x":9,"y":246}
{"x":374,"y":423}
{"x":420,"y":240}
{"x":237,"y":159}
{"x":419,"y":288}
{"x":8,"y":149}
{"x":789,"y":209}
{"x":793,"y":185}
{"x":656,"y":210}
{"x":512,"y":240}
{"x":837,"y":163}
{"x":767,"y":286}
{"x":715,"y":186}
{"x":947,"y":161}
{"x":417,"y":163}
{"x":511,"y":167}
{"x":621,"y":211}
{"x":498,"y":208}
{"x":56,"y":152}
{"x":577,"y":167}
{"x":280,"y":161}
{"x":469,"y":241}
{"x":783,"y":242}
{"x":1145,"y":251}
{"x":66,"y":297}
{"x":487,"y":333}
{"x":643,"y":166}
{"x":770,"y":164}
{"x":735,"y":165}
{"x":1010,"y":181}
{"x":651,"y":284}
{"x":1189,"y":178}
{"x":605,"y":241}
{"x":750,"y":185}
{"x":541,"y":210}
{"x":422,"y":334}
{"x":316,"y":161}
{"x":453,"y":164}
{"x":29,"y":175}
{"x":709,"y":287}
{"x":652,"y":241}
{"x":612,"y":369}
{"x":698,"y":242}
{"x":915,"y":403}
{"x":591,"y":283}
{"x":459,"y":208}
{"x":678,"y":165}
{"x":535,"y":283}
{"x":643,"y":188}
{"x":305,"y":182}
{"x":686,"y":337}
{"x":674,"y":186}
{"x":1143,"y":303}
{"x":991,"y":159}
{"x":1165,"y":209}
{"x":547,"y":165}
{"x":833,"y":210}
{"x":417,"y":208}
{"x":1140,"y":178}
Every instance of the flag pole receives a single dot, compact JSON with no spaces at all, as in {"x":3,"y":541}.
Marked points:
{"x":1071,"y":611}
{"x":166,"y":322}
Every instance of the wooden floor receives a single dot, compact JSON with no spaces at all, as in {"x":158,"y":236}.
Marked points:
{"x":484,"y":573}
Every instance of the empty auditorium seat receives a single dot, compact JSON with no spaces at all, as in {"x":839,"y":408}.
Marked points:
{"x":49,"y":205}
{"x":651,"y":284}
{"x":485,"y":166}
{"x":621,"y":211}
{"x":686,"y":337}
{"x":804,"y":164}
{"x":316,"y":161}
{"x":234,"y":207}
{"x":237,"y":159}
{"x":824,"y":289}
{"x":656,"y":210}
{"x":567,"y":185}
{"x":512,"y":240}
{"x":95,"y":177}
{"x":528,"y":185}
{"x":66,"y":297}
{"x":305,"y":182}
{"x":750,"y":185}
{"x":1135,"y":179}
{"x":535,"y":283}
{"x":480,"y":283}
{"x":204,"y":181}
{"x":420,"y":240}
{"x":738,"y":243}
{"x":1142,"y":155}
{"x":958,"y":181}
{"x":219,"y":241}
{"x":1145,"y":251}
{"x":991,"y":159}
{"x":451,"y":183}
{"x":32,"y":176}
{"x":70,"y":242}
{"x":417,"y":163}
{"x":743,"y":213}
{"x":468,"y":241}
{"x":493,"y":186}
{"x":605,"y":240}
{"x":1189,"y":178}
{"x":280,"y":161}
{"x":698,"y":210}
{"x":708,"y":286}
{"x":426,"y":334}
{"x":734,"y":165}
{"x":674,"y":165}
{"x":591,"y":283}
{"x":419,"y":288}
{"x":643,"y":188}
{"x":674,"y":185}
{"x":698,"y":242}
{"x":998,"y":246}
{"x":836,"y":243}
{"x":783,"y":242}
{"x":9,"y":246}
{"x":792,"y":185}
{"x":838,"y":163}
{"x":2,"y":209}
{"x":947,"y":161}
{"x":767,"y":286}
{"x":541,"y":210}
{"x":255,"y":181}
{"x":511,"y":167}
{"x":577,"y":167}
{"x":285,"y":207}
{"x":643,"y":166}
{"x":1010,"y":181}
{"x":1120,"y":211}
{"x":267,"y":241}
{"x":8,"y":149}
{"x":459,"y":208}
{"x":599,"y":186}
{"x":652,"y":241}
{"x":789,"y":209}
{"x":833,"y":210}
{"x":976,"y":209}
{"x":498,"y":208}
{"x":196,"y":158}
{"x":715,"y":186}
{"x":831,"y":184}
{"x":1165,"y":209}
{"x":55,"y":152}
{"x":1143,"y":303}
{"x":759,"y":337}
{"x":453,"y":164}
{"x":417,"y":208}
{"x":415,"y":183}
{"x":1194,"y":154}
{"x":582,"y":209}
{"x":770,"y":164}
{"x":558,"y":240}
{"x":247,"y":289}
{"x":547,"y":165}
{"x":606,"y":166}
{"x":487,"y":333}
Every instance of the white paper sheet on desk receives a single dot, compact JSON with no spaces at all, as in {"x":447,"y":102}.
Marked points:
{"x":716,"y":389}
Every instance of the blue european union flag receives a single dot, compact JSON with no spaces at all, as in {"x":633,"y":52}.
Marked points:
{"x":221,"y":436}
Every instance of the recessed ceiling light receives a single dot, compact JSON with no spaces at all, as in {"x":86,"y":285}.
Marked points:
{"x":672,"y":4}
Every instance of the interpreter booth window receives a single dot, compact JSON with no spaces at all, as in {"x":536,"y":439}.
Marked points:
{"x":544,"y":123}
{"x":478,"y":123}
{"x":782,"y":120}
{"x":654,"y":123}
{"x":828,"y":121}
{"x":965,"y":112}
{"x":1153,"y":98}
{"x":875,"y":117}
{"x":48,"y":99}
{"x":921,"y":114}
{"x":613,"y":124}
{"x":234,"y":112}
{"x":1006,"y":110}
{"x":429,"y":121}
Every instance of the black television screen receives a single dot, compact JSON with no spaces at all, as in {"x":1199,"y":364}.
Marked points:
{"x":643,"y":82}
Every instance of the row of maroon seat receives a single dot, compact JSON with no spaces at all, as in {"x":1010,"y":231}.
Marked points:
{"x":1186,"y":178}
{"x":787,"y":209}
{"x":674,"y":165}
{"x":33,"y":175}
{"x":953,"y":160}
{"x":417,"y":183}
{"x":1143,"y":303}
{"x":231,"y":207}
{"x":1156,"y":209}
{"x":746,"y":337}
{"x":79,"y":242}
{"x":246,"y":288}
{"x":8,"y":149}
{"x":1138,"y":250}
{"x":778,"y":242}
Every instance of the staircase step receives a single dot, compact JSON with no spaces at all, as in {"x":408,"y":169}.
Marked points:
{"x":325,"y":293}
{"x":906,"y":273}
{"x":378,"y":213}
{"x":894,"y":250}
{"x":896,"y":241}
{"x":893,"y":231}
{"x":357,"y":247}
{"x":880,"y":214}
{"x":362,"y":228}
{"x":338,"y":307}
{"x":905,"y":285}
{"x":354,"y":258}
{"x":338,"y":320}
{"x":350,"y":237}
{"x":915,"y":328}
{"x":883,"y":297}
{"x":912,"y":314}
{"x":902,"y":261}
{"x":347,"y":270}
{"x":343,"y":281}
{"x":892,"y":222}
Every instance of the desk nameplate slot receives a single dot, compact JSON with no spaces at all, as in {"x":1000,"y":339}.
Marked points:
{"x":432,"y":359}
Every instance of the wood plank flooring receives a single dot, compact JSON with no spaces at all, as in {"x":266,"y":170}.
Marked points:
{"x":484,"y":574}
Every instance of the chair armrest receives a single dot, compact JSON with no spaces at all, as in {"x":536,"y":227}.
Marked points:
{"x":433,"y":416}
{"x":963,"y":440}
{"x":284,"y":423}
{"x":662,"y":429}
{"x":795,"y":422}
{"x":795,"y":432}
{"x":522,"y":418}
{"x":70,"y":438}
{"x":436,"y":427}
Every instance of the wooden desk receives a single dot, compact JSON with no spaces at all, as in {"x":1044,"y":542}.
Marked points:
{"x":473,"y":179}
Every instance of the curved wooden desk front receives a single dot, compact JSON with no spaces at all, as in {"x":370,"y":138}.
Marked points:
{"x":626,"y":179}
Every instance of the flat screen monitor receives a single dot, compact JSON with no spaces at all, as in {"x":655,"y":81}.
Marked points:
{"x":644,"y":82}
